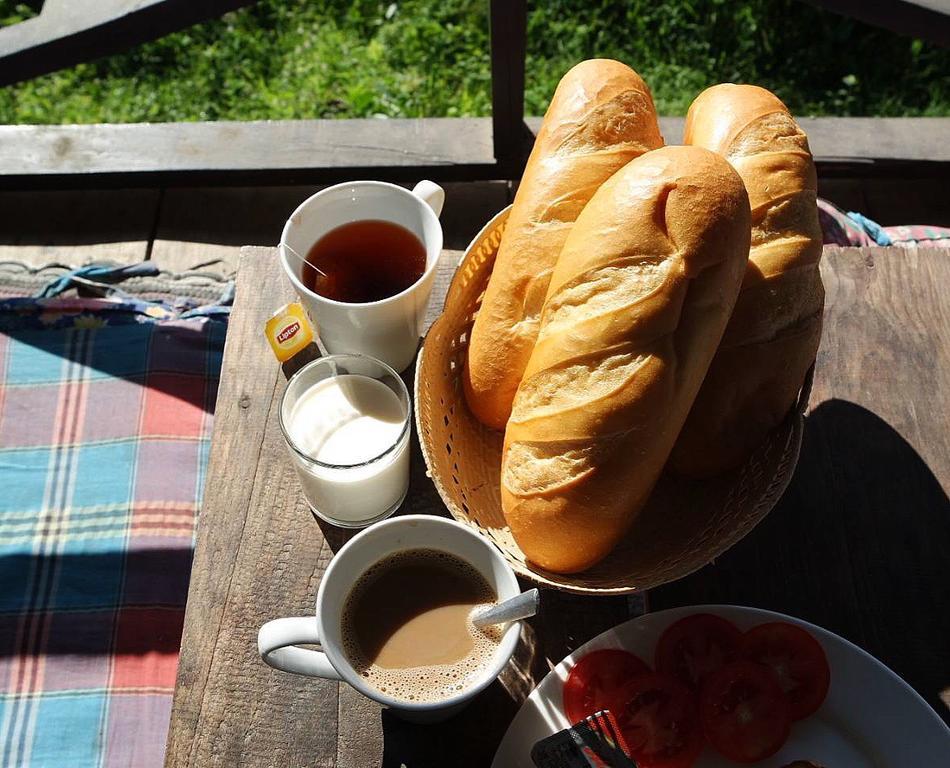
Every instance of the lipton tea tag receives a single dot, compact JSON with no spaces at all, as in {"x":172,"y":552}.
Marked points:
{"x":288,"y":331}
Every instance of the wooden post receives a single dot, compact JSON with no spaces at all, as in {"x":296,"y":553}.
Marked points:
{"x":508,"y":26}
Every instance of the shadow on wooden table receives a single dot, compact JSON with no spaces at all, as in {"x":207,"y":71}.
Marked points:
{"x":858,"y":544}
{"x":469,"y":738}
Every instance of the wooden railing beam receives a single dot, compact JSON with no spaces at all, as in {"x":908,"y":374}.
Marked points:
{"x":69,"y":32}
{"x":926,"y":19}
{"x":325,"y":151}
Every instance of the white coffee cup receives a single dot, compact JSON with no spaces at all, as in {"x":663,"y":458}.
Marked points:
{"x":388,"y":329}
{"x":276,"y":641}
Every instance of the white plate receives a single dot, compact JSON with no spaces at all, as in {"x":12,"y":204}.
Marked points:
{"x":871,"y":718}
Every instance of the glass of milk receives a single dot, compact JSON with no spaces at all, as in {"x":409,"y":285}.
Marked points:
{"x":346,"y":422}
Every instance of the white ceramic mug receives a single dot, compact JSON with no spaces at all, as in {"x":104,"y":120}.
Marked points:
{"x":276,"y":641}
{"x":388,"y":329}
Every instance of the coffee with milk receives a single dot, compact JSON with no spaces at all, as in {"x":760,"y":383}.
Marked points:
{"x":407,"y":626}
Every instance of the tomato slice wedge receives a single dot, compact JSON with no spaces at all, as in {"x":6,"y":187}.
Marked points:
{"x":798,"y":660}
{"x":744,"y":712}
{"x":660,"y":722}
{"x":691,"y":649}
{"x":594,"y":682}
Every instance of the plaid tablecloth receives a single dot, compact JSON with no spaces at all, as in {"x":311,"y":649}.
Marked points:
{"x":105,"y":419}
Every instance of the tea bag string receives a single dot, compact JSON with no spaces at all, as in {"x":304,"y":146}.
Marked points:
{"x":324,"y":352}
{"x":302,"y":260}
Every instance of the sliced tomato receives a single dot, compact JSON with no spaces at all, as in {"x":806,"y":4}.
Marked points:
{"x":693,"y":648}
{"x":744,"y":712}
{"x":594,"y":682}
{"x":660,"y":722}
{"x":799,"y":662}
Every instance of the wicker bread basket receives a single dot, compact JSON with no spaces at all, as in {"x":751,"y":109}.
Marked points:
{"x":684,"y":526}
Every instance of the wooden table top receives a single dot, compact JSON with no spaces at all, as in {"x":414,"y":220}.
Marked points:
{"x":858,"y":544}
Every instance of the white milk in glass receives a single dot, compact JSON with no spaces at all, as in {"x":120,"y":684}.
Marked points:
{"x":348,"y":423}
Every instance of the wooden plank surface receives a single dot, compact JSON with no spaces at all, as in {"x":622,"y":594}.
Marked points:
{"x":260,"y":555}
{"x":324,"y":151}
{"x":299,"y":151}
{"x":859,"y":542}
{"x":859,"y":140}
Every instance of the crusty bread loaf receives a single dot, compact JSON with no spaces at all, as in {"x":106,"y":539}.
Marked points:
{"x":601,"y":117}
{"x":772,"y":339}
{"x":635,"y":309}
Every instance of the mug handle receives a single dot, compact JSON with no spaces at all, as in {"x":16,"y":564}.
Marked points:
{"x":276,"y":643}
{"x":431,"y":194}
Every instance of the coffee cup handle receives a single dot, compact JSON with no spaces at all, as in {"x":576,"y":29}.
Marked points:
{"x":276,"y":643}
{"x":431,"y":194}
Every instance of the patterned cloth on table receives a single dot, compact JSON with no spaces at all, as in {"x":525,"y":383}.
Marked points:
{"x":105,"y":421}
{"x":856,"y":229}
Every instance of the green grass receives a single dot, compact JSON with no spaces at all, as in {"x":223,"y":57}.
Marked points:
{"x":298,"y":59}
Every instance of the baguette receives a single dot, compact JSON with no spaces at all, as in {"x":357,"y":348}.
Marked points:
{"x":601,"y":117}
{"x":634,"y":311}
{"x":772,"y":339}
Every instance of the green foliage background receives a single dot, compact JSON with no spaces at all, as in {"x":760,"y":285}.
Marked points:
{"x":409,"y":58}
